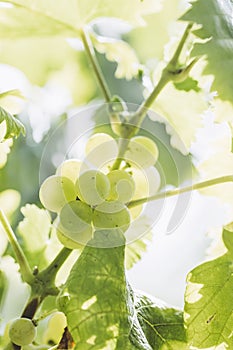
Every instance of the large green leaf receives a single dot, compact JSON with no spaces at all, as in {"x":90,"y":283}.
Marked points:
{"x":102,"y":310}
{"x":50,"y":17}
{"x":13,"y":127}
{"x":215,"y":17}
{"x":209,"y":301}
{"x":96,"y":309}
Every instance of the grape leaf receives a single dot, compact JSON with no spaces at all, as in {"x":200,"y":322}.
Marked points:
{"x":102,"y":310}
{"x":161,"y":324}
{"x":49,"y":17}
{"x":209,"y":301}
{"x":183,"y":114}
{"x":120,"y":52}
{"x":215,"y":17}
{"x":34,"y":231}
{"x":96,"y":309}
{"x":13,"y":126}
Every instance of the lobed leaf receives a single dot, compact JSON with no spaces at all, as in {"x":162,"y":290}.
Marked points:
{"x":120,"y":52}
{"x":50,"y":17}
{"x":102,"y":310}
{"x":215,"y":18}
{"x":209,"y":301}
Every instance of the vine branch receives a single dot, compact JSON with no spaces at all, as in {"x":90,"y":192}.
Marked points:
{"x":95,"y":65}
{"x":25,"y":269}
{"x":169,"y":73}
{"x":175,"y":192}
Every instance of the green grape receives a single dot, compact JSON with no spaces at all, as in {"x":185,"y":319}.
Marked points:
{"x":55,"y":192}
{"x":122,"y":186}
{"x":101,"y":149}
{"x":71,"y":169}
{"x":93,"y":187}
{"x":147,"y":182}
{"x":111,"y":215}
{"x":142,"y":152}
{"x":74,"y":228}
{"x":22,"y":331}
{"x":55,"y":328}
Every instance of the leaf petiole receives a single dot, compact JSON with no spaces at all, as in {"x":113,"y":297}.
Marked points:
{"x":95,"y":65}
{"x":177,"y":191}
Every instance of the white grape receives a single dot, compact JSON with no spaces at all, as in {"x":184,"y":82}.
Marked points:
{"x":75,"y":216}
{"x":56,"y":191}
{"x":71,"y":169}
{"x":74,"y":228}
{"x":122,"y":186}
{"x":111,"y":215}
{"x":101,"y":149}
{"x":22,"y":331}
{"x":142,"y":152}
{"x":93,"y":187}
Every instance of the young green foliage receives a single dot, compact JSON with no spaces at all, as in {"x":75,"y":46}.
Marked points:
{"x":215,"y":16}
{"x":13,"y":126}
{"x":209,"y":301}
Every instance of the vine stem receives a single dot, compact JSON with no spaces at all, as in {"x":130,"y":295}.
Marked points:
{"x":25,"y":269}
{"x":95,"y":65}
{"x":169,"y":73}
{"x":175,"y":192}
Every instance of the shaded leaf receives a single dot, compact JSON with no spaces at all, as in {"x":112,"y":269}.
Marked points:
{"x":13,"y":127}
{"x":162,"y":325}
{"x":209,"y":301}
{"x":188,"y":84}
{"x":215,"y":17}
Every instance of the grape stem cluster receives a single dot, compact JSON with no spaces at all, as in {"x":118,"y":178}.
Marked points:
{"x":43,"y":282}
{"x":172,"y":72}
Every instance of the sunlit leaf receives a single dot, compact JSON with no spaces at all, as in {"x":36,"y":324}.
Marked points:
{"x":12,"y":125}
{"x":215,"y":17}
{"x":209,"y":301}
{"x":120,"y":52}
{"x":102,"y":310}
{"x":34,"y":230}
{"x":183,"y":112}
{"x":149,"y":40}
{"x":49,"y":17}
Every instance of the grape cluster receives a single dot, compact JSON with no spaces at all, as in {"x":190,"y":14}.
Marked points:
{"x":88,"y":195}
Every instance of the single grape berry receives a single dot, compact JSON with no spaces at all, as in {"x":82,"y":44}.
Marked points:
{"x":22,"y":331}
{"x":93,"y":187}
{"x":142,"y":152}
